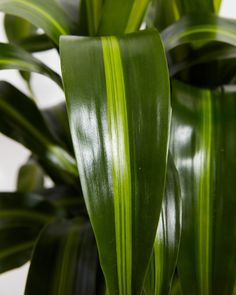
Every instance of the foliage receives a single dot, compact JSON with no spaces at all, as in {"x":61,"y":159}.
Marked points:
{"x":141,"y":152}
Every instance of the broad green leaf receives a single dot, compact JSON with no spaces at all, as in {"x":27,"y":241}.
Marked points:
{"x":22,"y":121}
{"x":164,"y":13}
{"x":203,"y":144}
{"x":93,"y":10}
{"x":64,"y":261}
{"x":22,"y":216}
{"x":118,"y":17}
{"x":121,"y":143}
{"x":13,"y":57}
{"x":30,"y":177}
{"x":164,"y":256}
{"x":47,"y":15}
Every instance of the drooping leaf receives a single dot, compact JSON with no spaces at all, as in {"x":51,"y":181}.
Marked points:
{"x":30,"y":177}
{"x":118,"y":17}
{"x":120,"y":142}
{"x":22,"y":121}
{"x":198,"y":49}
{"x":36,"y":43}
{"x":47,"y":15}
{"x":203,"y":144}
{"x":200,"y":28}
{"x":164,"y":13}
{"x":163,"y":262}
{"x":13,"y":57}
{"x":22,"y":216}
{"x":64,"y":261}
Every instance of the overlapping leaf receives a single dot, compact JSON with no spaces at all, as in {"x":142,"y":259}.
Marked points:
{"x":22,"y":121}
{"x":47,"y":15}
{"x":64,"y":261}
{"x":203,"y":144}
{"x":120,"y":142}
{"x":163,"y":262}
{"x":13,"y":57}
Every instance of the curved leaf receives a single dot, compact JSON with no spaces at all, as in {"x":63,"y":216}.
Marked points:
{"x":200,"y":28}
{"x":203,"y":145}
{"x":122,"y":163}
{"x":13,"y":57}
{"x":22,"y":33}
{"x":22,"y":216}
{"x":44,"y":14}
{"x":123,"y":16}
{"x":164,"y":257}
{"x":22,"y":121}
{"x":164,"y":13}
{"x":64,"y":261}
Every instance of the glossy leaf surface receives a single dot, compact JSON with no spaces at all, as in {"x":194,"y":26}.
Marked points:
{"x":120,"y":142}
{"x":22,"y":121}
{"x":164,"y":257}
{"x":69,"y":254}
{"x":22,"y":216}
{"x":13,"y":57}
{"x":203,"y":145}
{"x":47,"y":15}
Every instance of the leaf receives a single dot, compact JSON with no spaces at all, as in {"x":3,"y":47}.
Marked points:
{"x":36,"y":43}
{"x":203,"y":145}
{"x":201,"y":36}
{"x":123,"y":16}
{"x":57,"y":121}
{"x":198,"y":29}
{"x":122,"y":163}
{"x":13,"y":57}
{"x":22,"y":121}
{"x":164,"y":13}
{"x":44,"y":14}
{"x":163,"y":262}
{"x":64,"y":261}
{"x":22,"y":216}
{"x":30,"y":177}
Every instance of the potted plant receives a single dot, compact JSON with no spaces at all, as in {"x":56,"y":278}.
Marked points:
{"x":141,"y":153}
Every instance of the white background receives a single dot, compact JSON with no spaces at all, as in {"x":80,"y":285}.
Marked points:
{"x":12,"y":155}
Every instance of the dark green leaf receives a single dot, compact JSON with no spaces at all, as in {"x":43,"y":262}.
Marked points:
{"x":13,"y":57}
{"x":203,"y":144}
{"x":22,"y":121}
{"x":164,"y":257}
{"x":64,"y":261}
{"x":57,"y":120}
{"x":120,"y":142}
{"x":47,"y":15}
{"x":22,"y":216}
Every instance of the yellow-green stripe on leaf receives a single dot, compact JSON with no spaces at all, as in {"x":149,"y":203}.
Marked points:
{"x":120,"y":143}
{"x":202,"y":126}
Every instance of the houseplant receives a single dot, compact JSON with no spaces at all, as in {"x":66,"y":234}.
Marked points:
{"x":117,"y":224}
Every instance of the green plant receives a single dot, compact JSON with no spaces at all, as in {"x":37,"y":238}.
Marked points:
{"x":134,"y":218}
